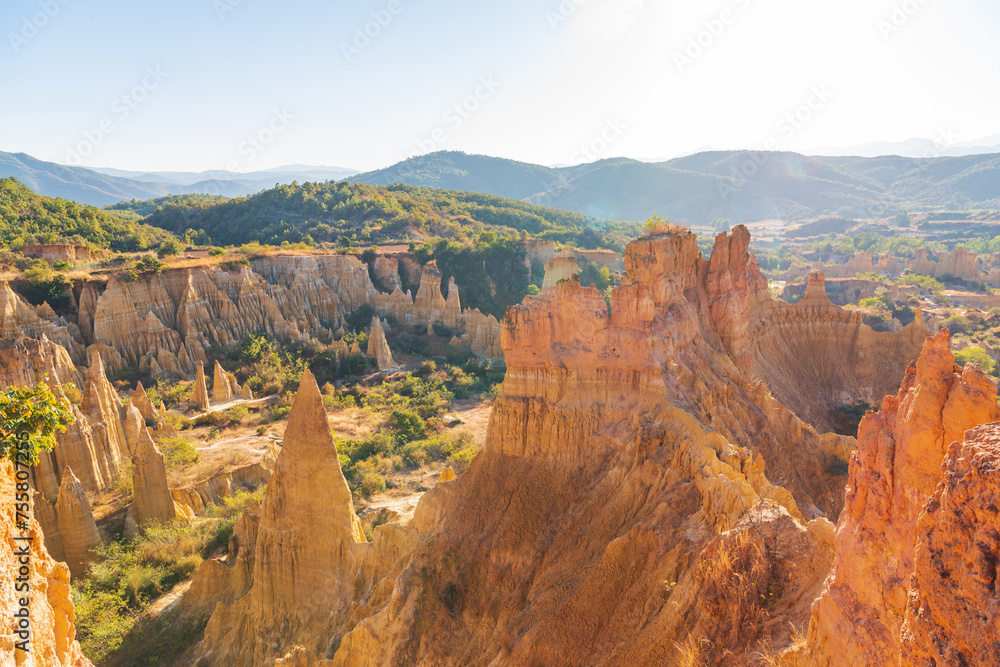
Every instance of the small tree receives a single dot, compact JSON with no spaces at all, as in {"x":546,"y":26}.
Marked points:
{"x":29,"y":419}
{"x":168,"y":247}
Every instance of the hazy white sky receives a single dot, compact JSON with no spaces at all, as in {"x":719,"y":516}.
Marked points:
{"x":253,"y":84}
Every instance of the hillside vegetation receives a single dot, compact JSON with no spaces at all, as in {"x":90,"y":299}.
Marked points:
{"x":351,"y":213}
{"x":27,"y":218}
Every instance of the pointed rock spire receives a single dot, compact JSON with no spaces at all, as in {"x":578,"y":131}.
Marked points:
{"x":222,"y":388}
{"x":200,"y":395}
{"x":133,"y":423}
{"x":308,"y":526}
{"x":142,"y":403}
{"x":149,"y":482}
{"x":378,"y":346}
{"x":75,"y":520}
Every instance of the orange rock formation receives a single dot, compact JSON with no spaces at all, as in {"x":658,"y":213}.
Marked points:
{"x":625,"y":449}
{"x":859,"y":618}
{"x":53,"y":638}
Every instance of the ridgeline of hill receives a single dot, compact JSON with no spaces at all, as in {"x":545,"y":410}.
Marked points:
{"x":741,"y":186}
{"x":27,"y":218}
{"x":355,"y":213}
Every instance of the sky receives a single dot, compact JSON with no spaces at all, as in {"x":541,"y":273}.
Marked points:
{"x":253,"y":84}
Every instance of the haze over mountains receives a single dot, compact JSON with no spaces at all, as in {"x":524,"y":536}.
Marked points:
{"x":740,"y":186}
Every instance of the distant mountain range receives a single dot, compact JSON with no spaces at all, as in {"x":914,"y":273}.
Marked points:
{"x":740,"y":186}
{"x":100,"y":186}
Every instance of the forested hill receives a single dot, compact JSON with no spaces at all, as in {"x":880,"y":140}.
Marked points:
{"x":740,"y":186}
{"x":27,"y":218}
{"x":356,"y":213}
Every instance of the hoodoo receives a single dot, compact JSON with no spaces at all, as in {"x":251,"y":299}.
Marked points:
{"x":149,"y":480}
{"x":305,"y":557}
{"x":77,"y":530}
{"x":378,"y":347}
{"x":200,"y":395}
{"x":894,"y":477}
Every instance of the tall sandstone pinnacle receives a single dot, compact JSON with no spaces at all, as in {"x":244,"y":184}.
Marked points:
{"x":305,"y":554}
{"x":896,"y":469}
{"x":200,"y":395}
{"x":378,"y":346}
{"x":53,"y":640}
{"x":78,"y":532}
{"x":142,"y":403}
{"x":152,"y":499}
{"x":222,"y":390}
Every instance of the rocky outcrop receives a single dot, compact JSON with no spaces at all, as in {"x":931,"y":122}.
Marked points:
{"x":18,"y":319}
{"x":815,"y":358}
{"x":305,"y":554}
{"x":223,"y":581}
{"x":627,"y":450}
{"x":893,"y":475}
{"x":225,"y":387}
{"x":386,"y":270}
{"x":199,"y":394}
{"x":53,"y":635}
{"x":558,"y":268}
{"x":141,"y":401}
{"x":453,"y":307}
{"x":72,"y":533}
{"x":56,"y":252}
{"x":163,"y":324}
{"x":429,"y":305}
{"x":951,"y":612}
{"x":958,"y":263}
{"x":152,"y":499}
{"x":378,"y":346}
{"x":94,"y":446}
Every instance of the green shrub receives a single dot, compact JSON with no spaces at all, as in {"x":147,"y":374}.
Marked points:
{"x":216,"y":252}
{"x":178,"y":451}
{"x":978,"y":356}
{"x":409,"y":426}
{"x":371,"y":483}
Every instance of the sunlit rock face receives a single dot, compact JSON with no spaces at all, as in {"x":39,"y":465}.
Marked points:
{"x":900,"y":524}
{"x":53,"y":635}
{"x":631,"y":444}
{"x":164,"y":324}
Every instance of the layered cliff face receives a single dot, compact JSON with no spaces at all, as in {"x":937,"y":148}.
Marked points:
{"x":164,"y":324}
{"x":894,"y":524}
{"x":633,"y":468}
{"x":95,"y":445}
{"x":813,"y":356}
{"x":53,"y":639}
